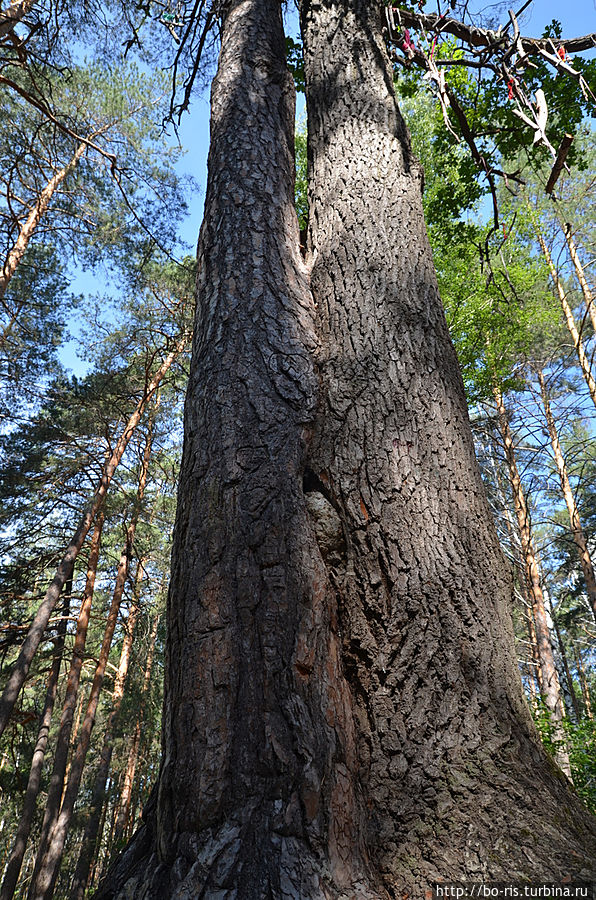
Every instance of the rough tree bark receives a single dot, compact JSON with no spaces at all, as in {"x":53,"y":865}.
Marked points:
{"x":343,"y":715}
{"x":445,"y":741}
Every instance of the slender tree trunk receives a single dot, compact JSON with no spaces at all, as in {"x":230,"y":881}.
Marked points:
{"x":340,"y":645}
{"x":133,"y":754}
{"x":581,"y":275}
{"x":567,"y":670}
{"x":577,"y":532}
{"x":57,"y":778}
{"x":15,"y":861}
{"x":52,"y":844}
{"x":42,"y":617}
{"x":81,"y":874}
{"x":36,"y":213}
{"x":551,"y":689}
{"x":50,"y":853}
{"x":585,"y":689}
{"x":569,"y":318}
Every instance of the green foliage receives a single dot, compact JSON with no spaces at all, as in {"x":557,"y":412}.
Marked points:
{"x":295,"y":60}
{"x":301,"y":186}
{"x":579,"y":741}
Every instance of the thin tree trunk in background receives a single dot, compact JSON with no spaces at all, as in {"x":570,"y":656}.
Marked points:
{"x":50,"y":854}
{"x":583,"y":681}
{"x":581,"y":275}
{"x":537,"y":676}
{"x":64,"y":570}
{"x":81,"y":874}
{"x":551,"y":689}
{"x":37,"y":211}
{"x":61,"y":752}
{"x":51,"y":848}
{"x":577,"y":532}
{"x":567,"y":670}
{"x":133,"y":755}
{"x":582,"y":356}
{"x":15,"y":861}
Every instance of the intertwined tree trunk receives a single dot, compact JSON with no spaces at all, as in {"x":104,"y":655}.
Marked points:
{"x":445,"y":741}
{"x":343,"y":715}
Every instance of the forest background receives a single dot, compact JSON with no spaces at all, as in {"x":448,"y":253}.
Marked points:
{"x":99,"y":213}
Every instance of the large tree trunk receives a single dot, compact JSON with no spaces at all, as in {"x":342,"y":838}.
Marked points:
{"x":445,"y":738}
{"x":257,"y":779}
{"x":316,"y":749}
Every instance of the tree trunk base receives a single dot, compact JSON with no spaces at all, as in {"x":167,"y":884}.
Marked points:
{"x":508,"y":832}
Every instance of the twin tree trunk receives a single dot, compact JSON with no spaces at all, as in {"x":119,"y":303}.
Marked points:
{"x":343,"y":714}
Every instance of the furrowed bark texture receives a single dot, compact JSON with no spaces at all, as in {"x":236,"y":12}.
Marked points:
{"x":457,"y":784}
{"x":257,"y":792}
{"x":314,"y":749}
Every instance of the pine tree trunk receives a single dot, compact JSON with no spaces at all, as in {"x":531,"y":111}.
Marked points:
{"x":566,"y":669}
{"x":576,"y":337}
{"x":58,"y":817}
{"x":36,"y":213}
{"x":50,"y":851}
{"x":57,"y":778}
{"x":343,"y":714}
{"x":81,"y":875}
{"x":577,"y":532}
{"x":133,"y":755}
{"x":550,"y":686}
{"x":585,"y":689}
{"x":581,"y":275}
{"x":15,"y":861}
{"x":64,"y":570}
{"x":252,"y":670}
{"x":425,"y":600}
